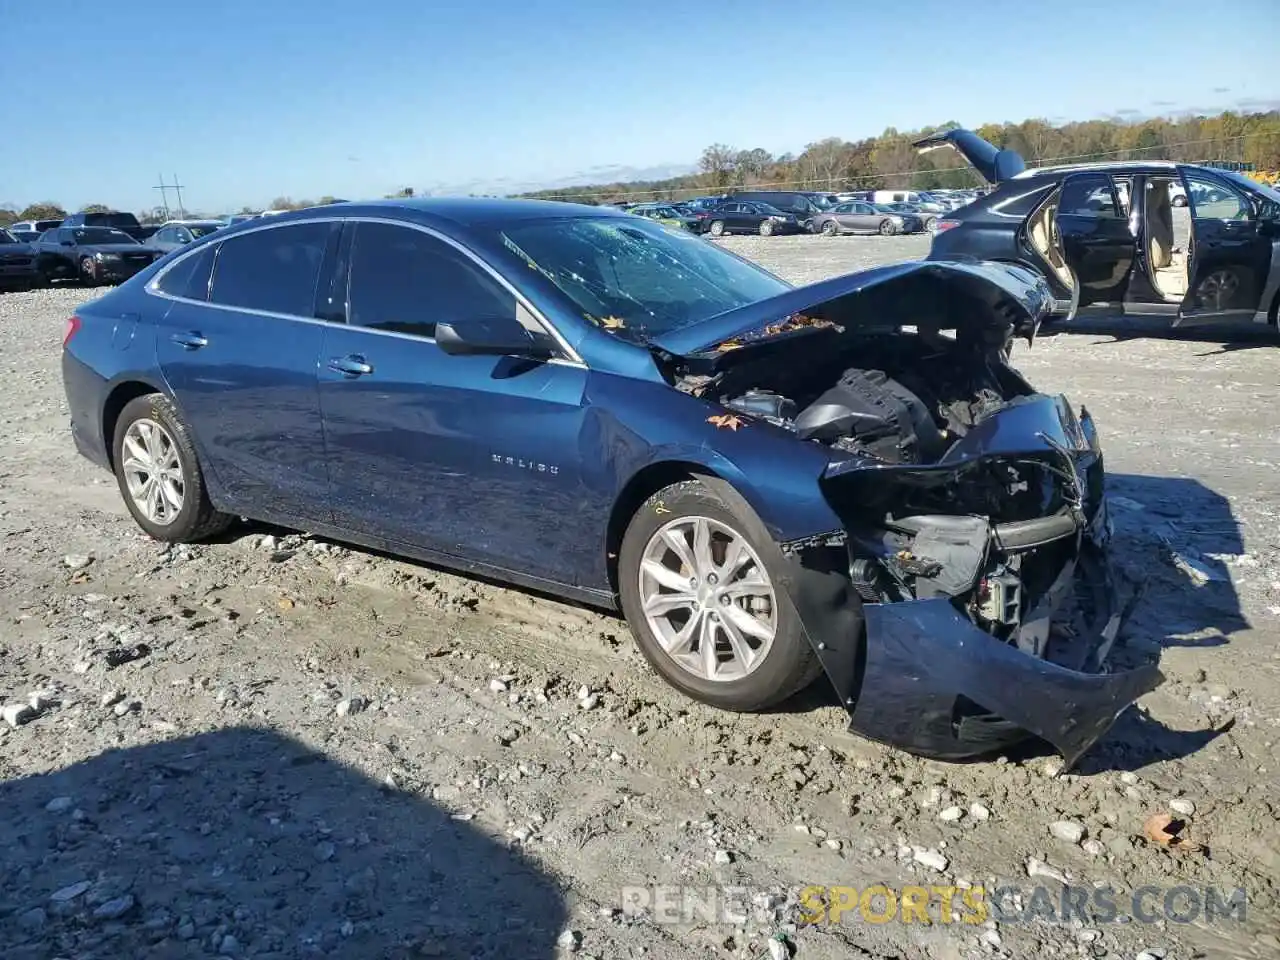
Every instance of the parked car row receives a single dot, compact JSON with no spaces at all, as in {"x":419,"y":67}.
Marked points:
{"x":94,"y":248}
{"x":770,"y":212}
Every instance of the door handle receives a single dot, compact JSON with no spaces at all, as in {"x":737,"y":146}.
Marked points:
{"x":189,"y":340}
{"x":350,"y":366}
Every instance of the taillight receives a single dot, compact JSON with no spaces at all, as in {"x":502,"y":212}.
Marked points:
{"x":942,"y":226}
{"x":73,"y":325}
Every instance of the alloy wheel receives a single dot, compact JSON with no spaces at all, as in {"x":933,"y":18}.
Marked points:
{"x":153,"y":471}
{"x":707,"y":598}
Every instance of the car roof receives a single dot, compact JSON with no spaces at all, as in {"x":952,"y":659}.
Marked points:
{"x":190,"y":223}
{"x":464,"y":211}
{"x":1135,"y":165}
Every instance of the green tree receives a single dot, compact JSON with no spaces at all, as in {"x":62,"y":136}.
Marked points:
{"x":717,"y":162}
{"x":8,"y":216}
{"x":401,"y":194}
{"x":45,"y":210}
{"x":96,"y":208}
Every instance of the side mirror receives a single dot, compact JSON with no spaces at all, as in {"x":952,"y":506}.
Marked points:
{"x":489,"y":336}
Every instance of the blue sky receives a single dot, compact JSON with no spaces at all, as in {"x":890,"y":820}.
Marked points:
{"x":246,"y":100}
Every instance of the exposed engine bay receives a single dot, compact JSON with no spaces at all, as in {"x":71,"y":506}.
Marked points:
{"x":900,"y":398}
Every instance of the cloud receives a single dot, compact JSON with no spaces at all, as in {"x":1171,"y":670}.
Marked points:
{"x":1163,"y":103}
{"x":1257,"y":104}
{"x":1221,"y":89}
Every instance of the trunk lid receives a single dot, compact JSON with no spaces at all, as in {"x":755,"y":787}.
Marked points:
{"x":995,"y":165}
{"x":991,"y":299}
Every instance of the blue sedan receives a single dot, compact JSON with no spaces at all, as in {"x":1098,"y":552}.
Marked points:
{"x":770,"y":482}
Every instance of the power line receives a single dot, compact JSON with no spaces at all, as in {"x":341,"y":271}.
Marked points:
{"x":590,"y":193}
{"x":164,"y":189}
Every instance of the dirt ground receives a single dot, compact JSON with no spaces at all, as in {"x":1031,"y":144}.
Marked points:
{"x":277,"y":746}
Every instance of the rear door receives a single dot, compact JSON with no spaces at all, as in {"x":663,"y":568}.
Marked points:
{"x":864,"y":218}
{"x":1230,"y":258}
{"x":476,"y":457}
{"x":239,"y":348}
{"x":1096,"y":241}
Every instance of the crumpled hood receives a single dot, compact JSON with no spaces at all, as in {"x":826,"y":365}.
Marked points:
{"x":994,"y":299}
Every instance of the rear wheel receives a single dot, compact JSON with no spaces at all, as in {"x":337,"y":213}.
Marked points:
{"x":888,"y":228}
{"x":159,"y":474}
{"x":717,"y":228}
{"x":700,"y":585}
{"x":830,"y":228}
{"x":766,"y":228}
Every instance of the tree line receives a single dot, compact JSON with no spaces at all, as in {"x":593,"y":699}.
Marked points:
{"x":889,"y":160}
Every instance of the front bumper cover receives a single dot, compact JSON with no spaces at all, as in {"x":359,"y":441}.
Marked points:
{"x":920,"y":676}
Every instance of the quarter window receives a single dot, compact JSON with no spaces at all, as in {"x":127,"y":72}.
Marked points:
{"x":189,"y":277}
{"x":273,"y":270}
{"x":407,"y":281}
{"x":1210,"y":200}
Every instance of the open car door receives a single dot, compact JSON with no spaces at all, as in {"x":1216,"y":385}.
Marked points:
{"x":1095,"y":241}
{"x":1230,"y":253}
{"x":995,"y":165}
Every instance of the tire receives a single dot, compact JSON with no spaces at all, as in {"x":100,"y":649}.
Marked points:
{"x":1179,"y":201}
{"x":830,"y":229}
{"x":717,"y":228}
{"x":888,"y":228}
{"x":86,"y":271}
{"x":787,"y":665}
{"x":928,"y":224}
{"x":766,"y":228}
{"x":196,"y":518}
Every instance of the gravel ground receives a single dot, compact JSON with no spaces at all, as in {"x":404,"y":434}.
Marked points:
{"x":277,"y":746}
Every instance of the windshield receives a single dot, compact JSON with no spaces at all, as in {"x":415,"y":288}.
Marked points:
{"x":891,"y":207}
{"x":202,"y":229}
{"x":102,"y":235}
{"x":7,"y":237}
{"x":635,"y":278}
{"x":767,"y":208}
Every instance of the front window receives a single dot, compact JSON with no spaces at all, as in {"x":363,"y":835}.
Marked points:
{"x":102,"y":235}
{"x":1268,"y":197}
{"x":635,"y":279}
{"x":1213,"y":201}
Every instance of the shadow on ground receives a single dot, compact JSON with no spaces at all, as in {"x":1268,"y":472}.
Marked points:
{"x":168,"y":850}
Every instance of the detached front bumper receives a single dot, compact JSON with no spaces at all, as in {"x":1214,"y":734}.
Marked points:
{"x":921,"y":675}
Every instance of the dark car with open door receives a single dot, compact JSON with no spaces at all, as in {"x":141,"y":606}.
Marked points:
{"x":1103,"y":234}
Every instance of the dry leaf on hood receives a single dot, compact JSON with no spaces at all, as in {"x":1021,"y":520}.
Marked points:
{"x":1169,"y":831}
{"x":727,"y":421}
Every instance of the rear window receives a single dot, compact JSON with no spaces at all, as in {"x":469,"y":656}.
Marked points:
{"x":111,"y":219}
{"x":275,"y":270}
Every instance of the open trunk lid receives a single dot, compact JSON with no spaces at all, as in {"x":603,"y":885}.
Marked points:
{"x":995,"y":300}
{"x":995,"y":165}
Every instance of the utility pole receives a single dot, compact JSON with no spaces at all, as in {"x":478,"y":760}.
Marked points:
{"x":164,"y":189}
{"x":164,"y":195}
{"x":178,"y":189}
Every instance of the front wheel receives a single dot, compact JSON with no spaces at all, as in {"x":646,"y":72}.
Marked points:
{"x":928,"y":224}
{"x":88,"y":272}
{"x":830,"y":228}
{"x":717,"y":228}
{"x":766,"y":228}
{"x":701,"y":589}
{"x":888,"y":228}
{"x":159,"y":474}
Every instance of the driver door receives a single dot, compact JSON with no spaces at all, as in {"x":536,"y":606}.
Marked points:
{"x":1230,"y":258}
{"x":476,"y":457}
{"x":1096,"y":243}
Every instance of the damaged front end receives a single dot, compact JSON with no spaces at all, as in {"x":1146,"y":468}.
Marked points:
{"x":971,"y":602}
{"x":963,"y":598}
